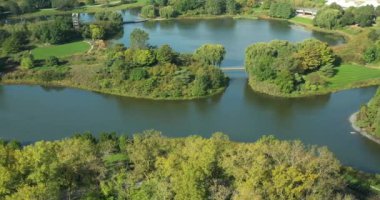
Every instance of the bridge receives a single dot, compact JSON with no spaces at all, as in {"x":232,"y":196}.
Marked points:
{"x":233,"y":68}
{"x":135,"y":21}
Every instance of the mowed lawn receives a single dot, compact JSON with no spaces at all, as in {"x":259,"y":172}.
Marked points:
{"x":302,"y":20}
{"x":349,"y":74}
{"x":60,"y":51}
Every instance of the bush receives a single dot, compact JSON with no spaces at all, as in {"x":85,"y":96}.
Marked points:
{"x":52,"y":75}
{"x":138,"y":74}
{"x":52,"y":61}
{"x":370,"y":54}
{"x":328,"y":70}
{"x":27,"y":61}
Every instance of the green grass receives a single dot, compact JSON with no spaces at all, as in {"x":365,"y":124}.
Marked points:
{"x":349,"y":74}
{"x":302,"y":20}
{"x":60,"y":51}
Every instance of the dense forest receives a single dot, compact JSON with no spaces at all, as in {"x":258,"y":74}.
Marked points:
{"x":368,"y":117}
{"x":151,"y":166}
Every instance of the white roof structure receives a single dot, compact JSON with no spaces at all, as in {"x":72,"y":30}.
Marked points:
{"x":354,"y":3}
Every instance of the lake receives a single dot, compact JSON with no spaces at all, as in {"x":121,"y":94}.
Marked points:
{"x":30,"y":113}
{"x":186,"y":35}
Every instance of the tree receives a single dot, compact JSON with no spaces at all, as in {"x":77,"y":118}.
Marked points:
{"x":165,"y":54}
{"x":138,"y":39}
{"x":365,"y":15}
{"x":327,"y":18}
{"x":148,"y":11}
{"x":281,"y":10}
{"x":167,"y":12}
{"x":12,"y":44}
{"x":64,"y":4}
{"x":348,"y":18}
{"x":144,"y":57}
{"x":97,"y":32}
{"x":313,"y":54}
{"x":371,"y":54}
{"x":231,"y":7}
{"x":214,"y":7}
{"x":27,"y":61}
{"x":52,"y":61}
{"x":210,"y":54}
{"x":59,"y":30}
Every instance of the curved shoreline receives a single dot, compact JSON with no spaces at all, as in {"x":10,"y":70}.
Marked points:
{"x":362,"y":132}
{"x":89,"y":89}
{"x":252,"y":84}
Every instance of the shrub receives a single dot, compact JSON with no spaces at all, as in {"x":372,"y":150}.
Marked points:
{"x":52,"y":61}
{"x":328,"y":70}
{"x":138,"y":74}
{"x":27,"y":61}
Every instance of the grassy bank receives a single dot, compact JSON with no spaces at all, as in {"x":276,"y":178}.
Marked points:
{"x":348,"y":76}
{"x":60,"y":51}
{"x":70,"y":84}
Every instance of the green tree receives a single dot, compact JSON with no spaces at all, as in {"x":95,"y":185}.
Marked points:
{"x":148,"y":11}
{"x":365,"y":16}
{"x":52,"y":61}
{"x":313,"y":54}
{"x":167,"y":12}
{"x":97,"y":32}
{"x":12,"y":44}
{"x":165,"y":54}
{"x":27,"y":61}
{"x":327,"y":18}
{"x":64,"y":4}
{"x":210,"y":54}
{"x":214,"y":7}
{"x":281,"y":10}
{"x":231,"y":7}
{"x":138,"y":39}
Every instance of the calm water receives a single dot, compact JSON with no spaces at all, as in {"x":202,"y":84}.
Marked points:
{"x":30,"y":113}
{"x":236,"y":35}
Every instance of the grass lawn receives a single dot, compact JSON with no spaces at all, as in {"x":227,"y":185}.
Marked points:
{"x":59,"y":51}
{"x":349,"y":74}
{"x":302,"y":20}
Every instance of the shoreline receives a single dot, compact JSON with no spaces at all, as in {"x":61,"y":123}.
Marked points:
{"x":352,"y":120}
{"x":270,"y":92}
{"x":64,"y":84}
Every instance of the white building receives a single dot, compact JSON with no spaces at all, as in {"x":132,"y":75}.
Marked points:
{"x":354,"y":3}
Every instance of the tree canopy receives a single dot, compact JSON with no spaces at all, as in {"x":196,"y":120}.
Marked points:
{"x":151,"y":166}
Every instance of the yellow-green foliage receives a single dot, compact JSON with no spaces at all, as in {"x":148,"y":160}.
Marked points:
{"x":369,"y":115}
{"x":150,"y":166}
